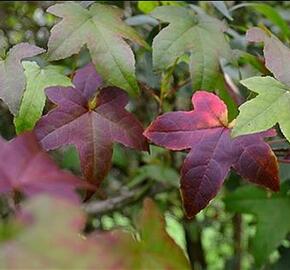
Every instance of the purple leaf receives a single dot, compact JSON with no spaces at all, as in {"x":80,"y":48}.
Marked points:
{"x":92,"y":121}
{"x":206,"y":132}
{"x":29,"y":170}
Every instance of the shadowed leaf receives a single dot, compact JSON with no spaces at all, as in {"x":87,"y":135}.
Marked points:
{"x":12,"y":79}
{"x":91,"y":120}
{"x":200,"y":35}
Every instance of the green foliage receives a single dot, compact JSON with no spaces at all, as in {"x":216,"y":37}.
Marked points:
{"x":272,"y":213}
{"x":33,"y":101}
{"x":102,"y":30}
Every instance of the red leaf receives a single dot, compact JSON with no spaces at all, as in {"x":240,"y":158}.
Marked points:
{"x":206,"y":132}
{"x":92,"y":123}
{"x":29,"y":170}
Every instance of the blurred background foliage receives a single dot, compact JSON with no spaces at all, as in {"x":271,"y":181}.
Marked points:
{"x":219,"y":237}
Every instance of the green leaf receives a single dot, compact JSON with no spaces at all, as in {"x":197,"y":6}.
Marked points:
{"x":12,"y":79}
{"x":198,"y":34}
{"x":33,"y":101}
{"x":272,"y":15}
{"x":273,"y":217}
{"x":265,"y":110}
{"x":147,"y":6}
{"x":159,"y":173}
{"x":222,"y":8}
{"x":100,"y":28}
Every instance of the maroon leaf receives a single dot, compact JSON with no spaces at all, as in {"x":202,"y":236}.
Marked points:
{"x":91,"y":120}
{"x":206,"y":132}
{"x":27,"y":169}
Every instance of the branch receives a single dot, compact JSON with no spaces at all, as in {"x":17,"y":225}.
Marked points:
{"x":124,"y":199}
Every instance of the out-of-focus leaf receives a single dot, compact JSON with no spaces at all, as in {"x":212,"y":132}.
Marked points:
{"x":222,"y":8}
{"x":12,"y":78}
{"x":102,"y":30}
{"x":147,"y":6}
{"x":159,"y":173}
{"x":29,"y":170}
{"x":271,"y":230}
{"x":200,"y":35}
{"x":33,"y":101}
{"x":206,"y":132}
{"x":91,"y":119}
{"x":64,"y":248}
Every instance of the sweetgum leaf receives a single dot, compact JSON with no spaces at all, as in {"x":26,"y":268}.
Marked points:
{"x":264,"y":111}
{"x":200,"y":35}
{"x":33,"y":101}
{"x":100,"y":28}
{"x":267,"y":109}
{"x":29,"y":170}
{"x":12,"y":79}
{"x":269,"y":233}
{"x":206,"y":132}
{"x":91,"y":120}
{"x":65,"y":248}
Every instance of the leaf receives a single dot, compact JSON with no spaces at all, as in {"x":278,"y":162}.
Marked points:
{"x":12,"y":79}
{"x":200,"y":35}
{"x":29,"y":170}
{"x":33,"y":100}
{"x":277,"y":55}
{"x":206,"y":132}
{"x":102,"y":30}
{"x":267,"y":109}
{"x":65,"y":248}
{"x":270,"y":232}
{"x":222,"y":8}
{"x":91,"y":120}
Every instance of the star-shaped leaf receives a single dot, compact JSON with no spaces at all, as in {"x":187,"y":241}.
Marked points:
{"x":100,"y":28}
{"x":26,"y":168}
{"x":206,"y":132}
{"x":268,"y":108}
{"x":33,"y":101}
{"x":64,"y":248}
{"x":12,"y":79}
{"x":198,"y":34}
{"x":271,"y":230}
{"x":91,"y":120}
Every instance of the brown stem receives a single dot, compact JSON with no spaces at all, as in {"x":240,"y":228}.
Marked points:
{"x":237,"y":224}
{"x":194,"y":245}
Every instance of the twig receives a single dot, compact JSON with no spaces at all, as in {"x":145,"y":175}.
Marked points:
{"x":124,"y":199}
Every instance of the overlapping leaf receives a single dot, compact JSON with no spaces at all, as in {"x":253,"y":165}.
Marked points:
{"x":198,"y":34}
{"x":33,"y":101}
{"x":206,"y":132}
{"x":266,"y":110}
{"x":102,"y":30}
{"x":91,"y":120}
{"x":64,"y":248}
{"x":26,"y":168}
{"x":12,"y":79}
{"x":271,"y":230}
